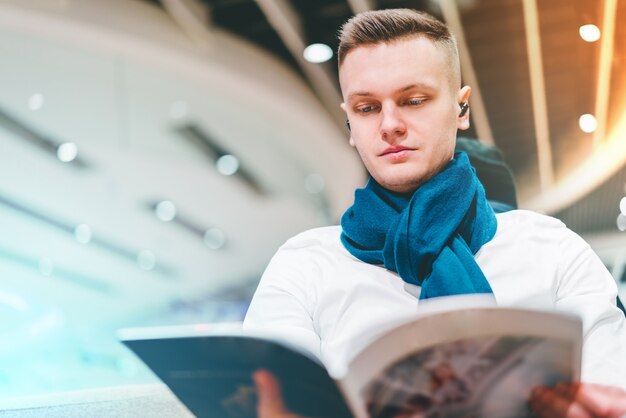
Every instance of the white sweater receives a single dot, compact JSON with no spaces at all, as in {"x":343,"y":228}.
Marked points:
{"x":316,"y":292}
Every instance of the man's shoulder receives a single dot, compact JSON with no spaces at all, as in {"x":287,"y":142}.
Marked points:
{"x":527,"y":218}
{"x":532,"y":228}
{"x":311,"y":247}
{"x":325,"y":236}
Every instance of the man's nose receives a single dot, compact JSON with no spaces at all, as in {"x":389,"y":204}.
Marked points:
{"x":392,"y":124}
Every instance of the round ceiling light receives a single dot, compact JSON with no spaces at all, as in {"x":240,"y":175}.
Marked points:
{"x":214,"y":238}
{"x":589,"y":33}
{"x":165,"y":210}
{"x":82,"y":233}
{"x":67,"y":152}
{"x":587,"y":123}
{"x":35,"y":102}
{"x":146,"y":260}
{"x":317,"y":53}
{"x":227,"y":164}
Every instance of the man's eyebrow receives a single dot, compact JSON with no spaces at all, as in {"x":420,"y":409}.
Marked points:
{"x":414,"y":86}
{"x":359,"y":94}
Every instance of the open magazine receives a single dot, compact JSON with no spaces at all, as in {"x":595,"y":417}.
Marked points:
{"x":474,"y":361}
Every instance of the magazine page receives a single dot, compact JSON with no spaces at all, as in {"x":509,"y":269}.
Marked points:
{"x":474,"y":362}
{"x":210,"y":370}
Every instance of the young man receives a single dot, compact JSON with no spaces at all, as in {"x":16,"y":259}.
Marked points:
{"x":422,"y":226}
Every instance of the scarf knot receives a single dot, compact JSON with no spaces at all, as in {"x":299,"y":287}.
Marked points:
{"x":428,"y":237}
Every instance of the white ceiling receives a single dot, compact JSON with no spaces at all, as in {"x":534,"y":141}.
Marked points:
{"x":114,"y":77}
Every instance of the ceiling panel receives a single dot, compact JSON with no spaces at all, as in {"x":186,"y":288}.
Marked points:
{"x":570,"y":72}
{"x":496,"y":38}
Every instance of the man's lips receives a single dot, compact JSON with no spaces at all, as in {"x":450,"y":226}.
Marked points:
{"x":394,"y":150}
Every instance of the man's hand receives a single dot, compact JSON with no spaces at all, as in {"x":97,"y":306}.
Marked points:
{"x":270,"y":397}
{"x":579,"y":400}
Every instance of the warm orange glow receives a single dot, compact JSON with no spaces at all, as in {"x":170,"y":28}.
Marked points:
{"x":607,"y":158}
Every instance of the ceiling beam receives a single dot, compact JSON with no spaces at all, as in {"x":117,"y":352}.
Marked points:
{"x":608,"y":157}
{"x":193,"y":17}
{"x":360,"y":6}
{"x":538,"y":92}
{"x":284,"y":19}
{"x":450,"y":13}
{"x":604,"y":71}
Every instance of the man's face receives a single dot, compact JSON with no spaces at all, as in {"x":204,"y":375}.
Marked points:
{"x":403,"y":110}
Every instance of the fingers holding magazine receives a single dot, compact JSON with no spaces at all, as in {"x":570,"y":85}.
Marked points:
{"x":579,"y":400}
{"x":270,"y":404}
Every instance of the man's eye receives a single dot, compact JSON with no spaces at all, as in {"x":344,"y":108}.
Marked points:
{"x":415,"y":102}
{"x":366,"y":109}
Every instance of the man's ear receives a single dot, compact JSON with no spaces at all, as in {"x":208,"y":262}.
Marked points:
{"x":463,"y":119}
{"x":343,"y":107}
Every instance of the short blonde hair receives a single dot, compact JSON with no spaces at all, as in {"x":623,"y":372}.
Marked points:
{"x":385,"y":26}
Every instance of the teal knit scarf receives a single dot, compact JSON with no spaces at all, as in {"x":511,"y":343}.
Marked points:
{"x":428,"y":237}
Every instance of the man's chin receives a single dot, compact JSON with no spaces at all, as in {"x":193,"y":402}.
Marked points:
{"x":401,"y":185}
{"x":402,"y":179}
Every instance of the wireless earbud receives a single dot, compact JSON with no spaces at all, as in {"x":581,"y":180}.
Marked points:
{"x":464,"y":109}
{"x":348,"y":124}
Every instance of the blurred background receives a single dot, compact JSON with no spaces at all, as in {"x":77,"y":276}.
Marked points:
{"x":155,"y":154}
